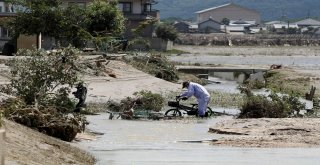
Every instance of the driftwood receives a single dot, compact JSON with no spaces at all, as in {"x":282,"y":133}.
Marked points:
{"x":310,"y":95}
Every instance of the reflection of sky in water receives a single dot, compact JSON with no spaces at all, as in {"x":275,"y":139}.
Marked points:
{"x":128,"y":142}
{"x":223,"y":86}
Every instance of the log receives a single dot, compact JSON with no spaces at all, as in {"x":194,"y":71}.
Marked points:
{"x":310,"y":95}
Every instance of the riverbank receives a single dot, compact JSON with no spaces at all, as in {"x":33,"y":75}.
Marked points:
{"x":27,"y":146}
{"x":268,"y":133}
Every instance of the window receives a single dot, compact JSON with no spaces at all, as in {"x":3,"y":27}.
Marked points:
{"x":147,"y":7}
{"x":125,"y":7}
{"x":4,"y":32}
{"x":0,"y":8}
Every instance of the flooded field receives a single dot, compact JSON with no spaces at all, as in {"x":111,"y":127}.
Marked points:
{"x":162,"y":142}
{"x":311,"y":62}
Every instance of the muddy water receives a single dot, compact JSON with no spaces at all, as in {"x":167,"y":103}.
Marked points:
{"x":178,"y":142}
{"x":159,"y":143}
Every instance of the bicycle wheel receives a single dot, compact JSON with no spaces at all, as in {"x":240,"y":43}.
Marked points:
{"x":209,"y":111}
{"x":173,"y":113}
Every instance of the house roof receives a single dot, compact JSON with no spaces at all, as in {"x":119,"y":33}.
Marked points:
{"x":222,"y":6}
{"x":309,"y":22}
{"x":240,"y":22}
{"x":274,"y":22}
{"x":210,"y":19}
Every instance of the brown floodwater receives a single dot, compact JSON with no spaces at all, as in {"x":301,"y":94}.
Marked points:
{"x":161,"y":142}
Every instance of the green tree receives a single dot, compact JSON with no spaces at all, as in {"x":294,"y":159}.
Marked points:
{"x":225,"y":21}
{"x":37,"y":16}
{"x":166,"y":32}
{"x":41,"y":73}
{"x":104,"y":18}
{"x":74,"y":24}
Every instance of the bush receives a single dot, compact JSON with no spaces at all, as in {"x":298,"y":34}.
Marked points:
{"x":150,"y":101}
{"x":40,"y":86}
{"x":273,"y":106}
{"x":34,"y":77}
{"x":145,"y":100}
{"x":167,"y":32}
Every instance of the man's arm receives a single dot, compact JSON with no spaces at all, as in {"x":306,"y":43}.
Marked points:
{"x":188,"y":93}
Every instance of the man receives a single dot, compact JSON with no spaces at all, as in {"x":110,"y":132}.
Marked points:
{"x":80,"y":94}
{"x":198,"y":91}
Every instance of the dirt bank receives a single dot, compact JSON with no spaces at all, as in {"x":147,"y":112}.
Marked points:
{"x":128,"y":80}
{"x":287,"y":132}
{"x":27,"y":146}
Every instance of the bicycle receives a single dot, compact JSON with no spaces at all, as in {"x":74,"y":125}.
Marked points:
{"x":180,"y":109}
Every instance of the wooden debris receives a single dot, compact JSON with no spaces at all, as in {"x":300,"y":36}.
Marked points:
{"x":310,"y":95}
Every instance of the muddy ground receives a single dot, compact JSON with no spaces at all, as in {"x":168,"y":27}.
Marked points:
{"x":265,"y":132}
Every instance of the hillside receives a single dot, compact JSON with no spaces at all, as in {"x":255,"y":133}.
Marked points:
{"x":269,"y":9}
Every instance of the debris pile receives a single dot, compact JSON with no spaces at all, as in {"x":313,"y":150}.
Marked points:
{"x":155,"y":64}
{"x":145,"y":105}
{"x":48,"y":120}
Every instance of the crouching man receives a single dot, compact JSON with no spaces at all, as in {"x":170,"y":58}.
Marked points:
{"x":198,"y":91}
{"x":80,"y":94}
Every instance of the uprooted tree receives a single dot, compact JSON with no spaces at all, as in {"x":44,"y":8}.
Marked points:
{"x":39,"y":90}
{"x":143,"y":104}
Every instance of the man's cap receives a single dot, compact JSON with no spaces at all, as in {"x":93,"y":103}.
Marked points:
{"x":185,"y":84}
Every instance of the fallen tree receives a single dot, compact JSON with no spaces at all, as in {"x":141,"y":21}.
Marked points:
{"x":38,"y":95}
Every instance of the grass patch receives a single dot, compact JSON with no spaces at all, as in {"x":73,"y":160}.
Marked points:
{"x":288,"y":82}
{"x":226,"y":100}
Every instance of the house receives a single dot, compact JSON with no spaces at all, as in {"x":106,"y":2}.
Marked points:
{"x":230,"y":11}
{"x":6,"y":10}
{"x":308,"y":22}
{"x":281,"y":28}
{"x":185,"y":27}
{"x":135,"y":12}
{"x":210,"y":26}
{"x":182,"y":26}
{"x":241,"y":27}
{"x":270,"y":25}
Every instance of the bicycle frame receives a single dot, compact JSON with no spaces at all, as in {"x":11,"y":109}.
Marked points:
{"x":185,"y":108}
{"x":179,"y":109}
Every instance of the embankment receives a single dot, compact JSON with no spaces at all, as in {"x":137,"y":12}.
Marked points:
{"x":248,"y":39}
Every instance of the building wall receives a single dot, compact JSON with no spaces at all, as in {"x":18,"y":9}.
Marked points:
{"x":232,"y":12}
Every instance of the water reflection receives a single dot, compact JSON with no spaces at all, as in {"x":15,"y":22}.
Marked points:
{"x":157,"y":143}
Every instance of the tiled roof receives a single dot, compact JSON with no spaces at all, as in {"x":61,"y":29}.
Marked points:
{"x":309,"y":21}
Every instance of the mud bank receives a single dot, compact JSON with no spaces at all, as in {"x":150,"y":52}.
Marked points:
{"x":270,"y":133}
{"x":27,"y":146}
